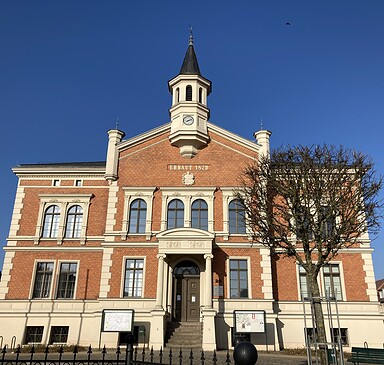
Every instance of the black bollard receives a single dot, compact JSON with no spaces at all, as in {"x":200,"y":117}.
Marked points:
{"x":130,"y":338}
{"x":245,"y":353}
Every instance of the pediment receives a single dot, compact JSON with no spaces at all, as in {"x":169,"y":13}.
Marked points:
{"x":185,"y":241}
{"x":185,"y":233}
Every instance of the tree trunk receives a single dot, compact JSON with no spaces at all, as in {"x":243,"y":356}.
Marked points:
{"x":319,"y":317}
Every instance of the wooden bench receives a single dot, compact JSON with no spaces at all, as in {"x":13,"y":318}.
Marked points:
{"x":366,"y":355}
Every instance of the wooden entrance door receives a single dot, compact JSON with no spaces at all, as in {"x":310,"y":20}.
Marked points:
{"x":187,"y":299}
{"x":186,"y":292}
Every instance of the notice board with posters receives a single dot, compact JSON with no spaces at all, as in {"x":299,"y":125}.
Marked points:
{"x":117,"y":320}
{"x":249,"y":321}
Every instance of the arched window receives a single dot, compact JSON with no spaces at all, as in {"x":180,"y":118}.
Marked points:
{"x":188,"y":93}
{"x":51,"y":222}
{"x":74,"y":222}
{"x":200,"y":95}
{"x":186,"y":268}
{"x":200,"y":214}
{"x":175,"y":217}
{"x":236,"y":217}
{"x":137,"y":216}
{"x":177,"y":95}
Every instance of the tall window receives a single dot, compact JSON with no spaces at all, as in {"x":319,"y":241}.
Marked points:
{"x":332,"y":281}
{"x":200,"y":95}
{"x":238,"y":277}
{"x":175,"y":217}
{"x":327,"y":220}
{"x":133,"y":282}
{"x":303,"y":283}
{"x":188,"y":93}
{"x":51,"y":221}
{"x":59,"y":334}
{"x":33,"y":334}
{"x":43,"y":280}
{"x":67,"y":280}
{"x":137,"y":216}
{"x":303,"y":226}
{"x":177,"y":95}
{"x":74,"y":222}
{"x":200,"y":214}
{"x":236,"y":217}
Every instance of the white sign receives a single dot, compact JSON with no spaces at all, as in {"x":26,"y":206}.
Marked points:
{"x":117,"y":320}
{"x":249,"y":321}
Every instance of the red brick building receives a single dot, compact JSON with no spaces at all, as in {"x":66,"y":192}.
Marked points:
{"x":155,"y":228}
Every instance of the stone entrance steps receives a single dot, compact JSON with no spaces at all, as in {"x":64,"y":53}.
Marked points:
{"x":184,"y":335}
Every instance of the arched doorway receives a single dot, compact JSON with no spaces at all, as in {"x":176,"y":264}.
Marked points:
{"x":186,"y":292}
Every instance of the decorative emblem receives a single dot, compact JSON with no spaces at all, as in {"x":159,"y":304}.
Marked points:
{"x":188,"y":178}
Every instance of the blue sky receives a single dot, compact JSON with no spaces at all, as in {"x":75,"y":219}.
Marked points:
{"x":68,"y":69}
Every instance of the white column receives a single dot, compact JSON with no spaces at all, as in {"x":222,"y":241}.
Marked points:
{"x":160,"y":282}
{"x":208,"y":280}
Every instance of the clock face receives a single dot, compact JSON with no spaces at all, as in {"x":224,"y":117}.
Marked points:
{"x":188,"y":120}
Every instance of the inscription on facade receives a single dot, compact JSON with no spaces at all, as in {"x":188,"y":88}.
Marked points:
{"x":185,"y":244}
{"x":178,"y":167}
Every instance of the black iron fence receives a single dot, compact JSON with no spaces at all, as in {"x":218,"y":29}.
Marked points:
{"x":119,"y":356}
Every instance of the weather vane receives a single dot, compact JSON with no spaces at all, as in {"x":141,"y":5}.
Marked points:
{"x":190,"y":35}
{"x":117,"y":122}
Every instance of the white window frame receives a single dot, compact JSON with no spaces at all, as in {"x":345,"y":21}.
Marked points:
{"x":248,"y":259}
{"x":228,"y":197}
{"x":193,"y":199}
{"x":64,"y":202}
{"x":59,"y":262}
{"x":131,"y":194}
{"x":130,"y":257}
{"x":342,"y":282}
{"x":33,"y":279}
{"x":187,"y":195}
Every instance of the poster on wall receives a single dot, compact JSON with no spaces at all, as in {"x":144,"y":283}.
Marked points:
{"x":116,"y":320}
{"x":249,"y":321}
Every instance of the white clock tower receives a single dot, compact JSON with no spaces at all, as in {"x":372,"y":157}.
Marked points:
{"x":189,"y":112}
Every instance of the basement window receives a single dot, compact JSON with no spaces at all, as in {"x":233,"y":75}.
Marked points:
{"x":33,"y":334}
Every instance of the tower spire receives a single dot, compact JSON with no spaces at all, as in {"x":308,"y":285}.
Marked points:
{"x":190,"y":65}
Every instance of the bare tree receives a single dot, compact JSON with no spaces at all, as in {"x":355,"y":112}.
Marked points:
{"x":309,"y":203}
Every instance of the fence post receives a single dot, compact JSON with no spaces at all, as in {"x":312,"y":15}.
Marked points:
{"x":129,"y":350}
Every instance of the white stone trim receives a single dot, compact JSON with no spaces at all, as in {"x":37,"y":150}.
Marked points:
{"x":50,"y":248}
{"x":105,"y":272}
{"x":64,"y":202}
{"x":54,"y":280}
{"x":6,"y":276}
{"x":369,"y":276}
{"x":228,"y":197}
{"x":266,"y":273}
{"x":112,"y":207}
{"x":17,"y":208}
{"x":58,"y":271}
{"x":131,"y":194}
{"x":187,"y":195}
{"x":248,"y":259}
{"x":125,"y":258}
{"x":341,"y":271}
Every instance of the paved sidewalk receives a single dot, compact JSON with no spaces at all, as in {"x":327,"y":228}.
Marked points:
{"x":222,"y":358}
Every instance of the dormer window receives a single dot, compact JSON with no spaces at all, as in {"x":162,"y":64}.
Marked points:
{"x":188,"y":93}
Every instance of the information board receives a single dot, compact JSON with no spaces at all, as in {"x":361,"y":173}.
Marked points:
{"x":115,"y":320}
{"x":249,"y":321}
